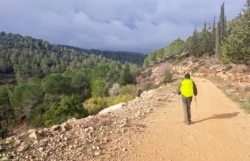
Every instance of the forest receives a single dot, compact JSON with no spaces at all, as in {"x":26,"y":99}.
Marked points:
{"x":45,"y":84}
{"x":228,"y":40}
{"x":122,"y":56}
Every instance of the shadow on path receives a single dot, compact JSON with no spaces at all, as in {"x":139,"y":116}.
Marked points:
{"x":219,"y":116}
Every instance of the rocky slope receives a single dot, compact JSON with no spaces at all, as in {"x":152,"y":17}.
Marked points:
{"x":234,"y":79}
{"x":87,"y":138}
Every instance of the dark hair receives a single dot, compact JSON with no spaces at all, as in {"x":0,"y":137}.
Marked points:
{"x":187,"y":76}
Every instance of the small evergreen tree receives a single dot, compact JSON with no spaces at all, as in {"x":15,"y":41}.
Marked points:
{"x":221,"y":31}
{"x":126,"y":77}
{"x":194,"y":44}
{"x":24,"y":98}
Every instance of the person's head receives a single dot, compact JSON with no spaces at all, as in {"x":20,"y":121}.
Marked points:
{"x":187,"y":76}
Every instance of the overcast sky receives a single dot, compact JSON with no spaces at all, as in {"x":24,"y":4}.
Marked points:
{"x":125,"y":25}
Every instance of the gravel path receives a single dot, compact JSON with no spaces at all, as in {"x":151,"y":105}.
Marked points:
{"x":219,"y":131}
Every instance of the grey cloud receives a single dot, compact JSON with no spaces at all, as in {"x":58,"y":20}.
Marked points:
{"x":141,"y":25}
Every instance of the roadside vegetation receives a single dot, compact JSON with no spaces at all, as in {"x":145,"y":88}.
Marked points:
{"x":247,"y":105}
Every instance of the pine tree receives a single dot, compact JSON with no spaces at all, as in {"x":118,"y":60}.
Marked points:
{"x":212,"y":37}
{"x":204,"y":46}
{"x":247,"y":5}
{"x":126,"y":77}
{"x":236,"y":46}
{"x":221,"y":31}
{"x":222,"y":24}
{"x":217,"y":42}
{"x":194,"y":44}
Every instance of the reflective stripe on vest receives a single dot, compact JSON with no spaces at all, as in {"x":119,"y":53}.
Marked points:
{"x":187,"y":88}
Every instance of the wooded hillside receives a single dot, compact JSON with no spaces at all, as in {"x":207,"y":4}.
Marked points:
{"x":28,"y":57}
{"x":51,"y":82}
{"x":229,"y":40}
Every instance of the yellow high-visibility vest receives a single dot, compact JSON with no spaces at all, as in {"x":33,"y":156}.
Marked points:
{"x":187,"y":89}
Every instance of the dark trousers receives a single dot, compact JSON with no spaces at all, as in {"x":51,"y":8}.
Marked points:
{"x":186,"y":108}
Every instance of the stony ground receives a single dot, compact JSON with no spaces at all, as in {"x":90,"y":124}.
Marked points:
{"x":90,"y":138}
{"x":220,"y":131}
{"x":147,"y":128}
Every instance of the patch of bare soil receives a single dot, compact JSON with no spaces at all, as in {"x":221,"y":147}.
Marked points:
{"x":219,"y":131}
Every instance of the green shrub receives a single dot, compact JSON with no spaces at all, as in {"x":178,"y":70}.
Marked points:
{"x":13,"y":82}
{"x":147,"y":73}
{"x":148,"y":86}
{"x":49,"y":123}
{"x":168,"y":77}
{"x":184,"y":63}
{"x":194,"y":70}
{"x":247,"y":105}
{"x":72,"y":106}
{"x":228,"y":67}
{"x":120,"y":98}
{"x":195,"y":60}
{"x":68,"y":107}
{"x":224,"y":61}
{"x":94,"y":110}
{"x":139,"y":92}
{"x":128,"y":89}
{"x":35,"y":118}
{"x":95,"y":105}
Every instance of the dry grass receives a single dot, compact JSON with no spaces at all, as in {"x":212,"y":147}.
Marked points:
{"x":239,"y":93}
{"x":100,"y":120}
{"x":140,"y":126}
{"x":242,"y":89}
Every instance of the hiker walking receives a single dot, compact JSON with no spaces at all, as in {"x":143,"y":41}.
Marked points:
{"x":187,"y":89}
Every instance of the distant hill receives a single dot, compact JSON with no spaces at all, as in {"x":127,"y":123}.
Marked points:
{"x":29,"y":57}
{"x":122,"y":56}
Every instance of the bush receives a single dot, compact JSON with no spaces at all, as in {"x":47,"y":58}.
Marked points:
{"x":120,"y":98}
{"x":148,"y":86}
{"x":228,"y":67}
{"x":35,"y":118}
{"x":68,"y":107}
{"x":184,"y":63}
{"x":139,"y":92}
{"x":224,"y":61}
{"x":195,"y":60}
{"x":13,"y":82}
{"x":168,"y":77}
{"x":147,"y":73}
{"x":247,"y":105}
{"x":128,"y":89}
{"x":95,"y":105}
{"x":194,"y":70}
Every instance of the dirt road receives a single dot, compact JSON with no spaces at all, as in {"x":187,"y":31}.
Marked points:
{"x":220,"y":130}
